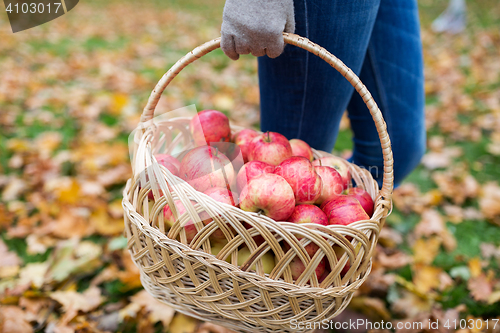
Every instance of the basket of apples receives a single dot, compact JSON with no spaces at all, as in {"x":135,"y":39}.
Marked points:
{"x":250,"y":230}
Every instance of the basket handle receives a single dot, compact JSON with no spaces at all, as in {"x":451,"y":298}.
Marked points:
{"x":304,"y":43}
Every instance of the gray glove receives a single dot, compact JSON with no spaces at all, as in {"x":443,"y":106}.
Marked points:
{"x":256,"y":27}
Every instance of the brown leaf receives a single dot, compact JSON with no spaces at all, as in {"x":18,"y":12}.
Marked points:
{"x":73,"y":301}
{"x":430,"y":224}
{"x":489,"y":251}
{"x":441,"y":159}
{"x":480,"y":288}
{"x":393,"y":261}
{"x":12,"y":320}
{"x":409,"y":305}
{"x":157,"y":310}
{"x":456,"y":184}
{"x":389,"y":237}
{"x":489,"y":202}
{"x":8,"y":258}
{"x":14,"y":189}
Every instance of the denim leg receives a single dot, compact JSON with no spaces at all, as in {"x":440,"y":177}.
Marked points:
{"x":393,"y":73}
{"x":301,"y":95}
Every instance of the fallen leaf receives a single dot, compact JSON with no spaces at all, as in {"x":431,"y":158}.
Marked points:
{"x":441,"y":159}
{"x":475,"y":267}
{"x":374,"y":308}
{"x":425,"y":250}
{"x":480,"y":288}
{"x":183,"y":324}
{"x":489,"y":202}
{"x":14,"y":189}
{"x":73,"y":301}
{"x":39,"y":243}
{"x":105,"y":224}
{"x":410,"y":305}
{"x":431,"y":223}
{"x":489,"y":250}
{"x":33,"y":274}
{"x":393,"y":261}
{"x":157,"y":310}
{"x":12,"y":320}
{"x":426,"y":278}
{"x":74,"y":257}
{"x":8,"y":258}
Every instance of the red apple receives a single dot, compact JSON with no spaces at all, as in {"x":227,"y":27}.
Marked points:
{"x":307,"y":214}
{"x":344,"y":210}
{"x":189,"y":226}
{"x":204,"y":167}
{"x":232,"y":152}
{"x":210,"y":126}
{"x":169,"y":162}
{"x":161,"y":158}
{"x":333,"y":184}
{"x":220,"y":194}
{"x":301,"y":148}
{"x":298,"y":267}
{"x":338,"y":164}
{"x":270,"y":194}
{"x":300,"y":174}
{"x":251,"y":170}
{"x":243,"y":139}
{"x":269,"y":147}
{"x":364,"y":199}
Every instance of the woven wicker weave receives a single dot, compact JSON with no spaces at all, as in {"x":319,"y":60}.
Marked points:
{"x":201,"y":285}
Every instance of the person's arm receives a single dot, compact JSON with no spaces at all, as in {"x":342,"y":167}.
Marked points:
{"x":256,"y":27}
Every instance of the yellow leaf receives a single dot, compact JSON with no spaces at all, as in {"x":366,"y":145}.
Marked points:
{"x":157,"y":310}
{"x":105,"y":224}
{"x":118,"y":102}
{"x":372,"y":307}
{"x":425,"y":250}
{"x":18,"y":145}
{"x":183,"y":324}
{"x":47,"y":142}
{"x":475,"y":267}
{"x":223,"y":102}
{"x":426,"y":278}
{"x":66,"y":189}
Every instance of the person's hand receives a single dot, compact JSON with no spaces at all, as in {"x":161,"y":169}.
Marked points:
{"x":256,"y":27}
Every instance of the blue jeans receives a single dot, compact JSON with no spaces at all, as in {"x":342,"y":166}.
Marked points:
{"x":303,"y":97}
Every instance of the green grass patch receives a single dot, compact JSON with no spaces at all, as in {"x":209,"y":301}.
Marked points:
{"x":20,"y":247}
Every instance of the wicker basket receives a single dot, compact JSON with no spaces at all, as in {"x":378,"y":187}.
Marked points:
{"x":199,"y":284}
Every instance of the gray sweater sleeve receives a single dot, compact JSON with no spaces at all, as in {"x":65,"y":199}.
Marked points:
{"x":256,"y":26}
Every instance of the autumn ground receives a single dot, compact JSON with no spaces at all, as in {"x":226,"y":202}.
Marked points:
{"x":72,"y":90}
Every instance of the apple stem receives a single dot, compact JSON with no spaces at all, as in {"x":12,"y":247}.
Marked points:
{"x":320,"y":164}
{"x":260,"y":212}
